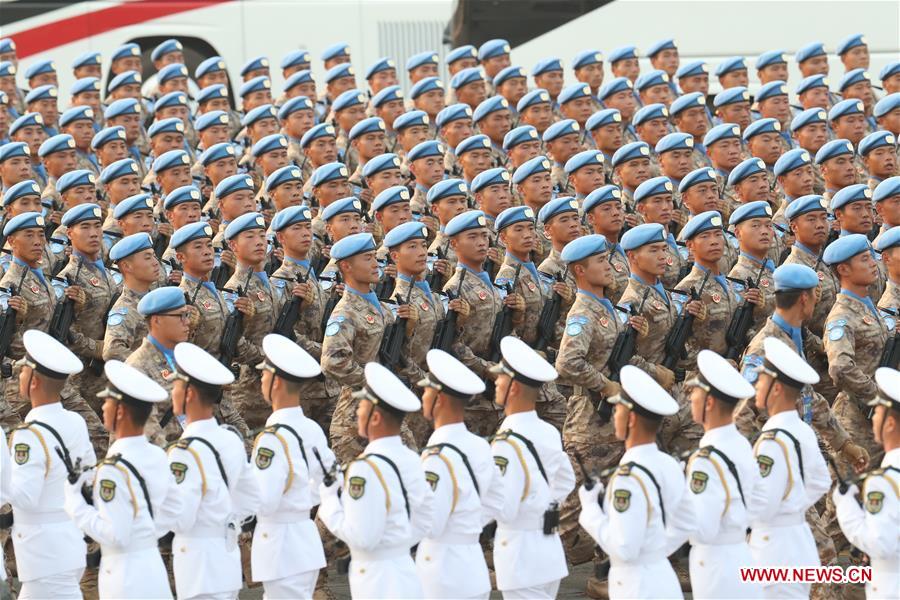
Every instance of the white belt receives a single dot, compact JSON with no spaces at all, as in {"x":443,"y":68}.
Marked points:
{"x":642,"y":561}
{"x":40,"y":518}
{"x":206,"y":531}
{"x":456,"y":539}
{"x":382,"y":554}
{"x":136,"y":546}
{"x":533,"y":523}
{"x":728,"y":538}
{"x":284,"y":519}
{"x":783,"y":521}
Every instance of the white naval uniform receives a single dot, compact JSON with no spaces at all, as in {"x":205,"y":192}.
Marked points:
{"x":50,"y":549}
{"x":5,"y":468}
{"x":287,"y":551}
{"x":119,"y":520}
{"x":874,"y":529}
{"x":718,"y":545}
{"x":781,"y":537}
{"x":205,"y":555}
{"x":528,"y":562}
{"x":370,"y":517}
{"x":629,"y":527}
{"x":450,"y":561}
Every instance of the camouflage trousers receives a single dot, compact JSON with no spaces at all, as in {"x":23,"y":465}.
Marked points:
{"x":551,"y":406}
{"x":319,"y":409}
{"x":343,"y":433}
{"x":89,"y":384}
{"x":246,"y":396}
{"x":679,"y":433}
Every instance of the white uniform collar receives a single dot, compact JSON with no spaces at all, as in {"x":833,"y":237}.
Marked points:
{"x":447,"y":432}
{"x":36,"y":413}
{"x":200,"y":426}
{"x":385,"y":443}
{"x":718,"y":433}
{"x":133,"y":442}
{"x":891,"y":458}
{"x":782,"y":419}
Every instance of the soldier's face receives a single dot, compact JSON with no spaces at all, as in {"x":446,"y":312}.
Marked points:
{"x":215,"y":104}
{"x":463,"y":63}
{"x":606,"y":218}
{"x":287,"y":194}
{"x":725,"y":154}
{"x":472,"y":245}
{"x":212,"y":79}
{"x":753,"y":188}
{"x":521,"y":153}
{"x":297,"y":237}
{"x":891,"y":84}
{"x":364,"y":267}
{"x":307,"y":89}
{"x":136,"y":222}
{"x":322,"y":150}
{"x":91,"y":99}
{"x":774,"y":72}
{"x":179,"y":112}
{"x":410,"y":257}
{"x":628,"y":67}
{"x":273,"y":160}
{"x":737,"y":113}
{"x":816,"y":97}
{"x":882,"y":162}
{"x":474,"y":162}
{"x":79,"y":194}
{"x":608,"y":137}
{"x":855,"y":217}
{"x":701,"y":197}
{"x":299,"y":122}
{"x":344,"y":224}
{"x":350,"y":116}
{"x":579,"y":109}
{"x":368,"y":145}
{"x":657,"y":208}
{"x":48,"y":78}
{"x":539,"y":116}
{"x":389,"y":178}
{"x":552,"y":81}
{"x":127,"y":63}
{"x":176,"y":84}
{"x":171,"y":326}
{"x":431,"y":102}
{"x":653,"y":130}
{"x":472,"y":94}
{"x":410,"y":137}
{"x":495,"y":64}
{"x":112,"y":151}
{"x":174,"y":178}
{"x":851,"y":127}
{"x":597,"y":270}
{"x":513,"y":89}
{"x":624,"y":102}
{"x":340,"y":85}
{"x":332,"y":190}
{"x":447,"y":208}
{"x":220,"y":169}
{"x":565,"y":147}
{"x":798,"y":182}
{"x":394,"y":214}
{"x":537,"y":188}
{"x":839,"y":172}
{"x":650,"y":258}
{"x":519,"y":238}
{"x":812,"y":137}
{"x":428,"y":170}
{"x":494,"y":199}
{"x":184,"y":214}
{"x":262,"y":128}
{"x":632,"y":173}
{"x":214,"y":135}
{"x":197,"y":256}
{"x":164,"y":142}
{"x":676,"y":163}
{"x":86,"y":237}
{"x":423,"y":71}
{"x":120,"y":188}
{"x":257,"y":98}
{"x":456,"y":131}
{"x":496,"y":125}
{"x":250,"y":246}
{"x":563,"y":228}
{"x":236,"y":204}
{"x":755,"y":235}
{"x":383,"y":79}
{"x":389,"y":111}
{"x":82,"y":131}
{"x":657,"y":94}
{"x":14,"y":170}
{"x":28,"y":244}
{"x":861,"y":270}
{"x":708,"y":246}
{"x":695,"y":83}
{"x":811,"y":229}
{"x":693,"y":121}
{"x":61,"y":162}
{"x":777,"y":107}
{"x":132,"y":125}
{"x":25,"y":204}
{"x":889,"y":209}
{"x":33,"y":136}
{"x":856,"y":58}
{"x":591,"y":75}
{"x":588,"y":178}
{"x":817,"y":65}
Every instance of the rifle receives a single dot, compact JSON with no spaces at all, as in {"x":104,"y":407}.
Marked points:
{"x":234,"y":327}
{"x":333,"y":299}
{"x":445,"y":332}
{"x":626,"y":342}
{"x":73,"y":472}
{"x":160,"y":244}
{"x":629,"y":210}
{"x":435,"y":279}
{"x":503,"y":322}
{"x":736,"y":334}
{"x":8,"y":328}
{"x":890,"y":356}
{"x":221,"y":273}
{"x":677,"y":338}
{"x":272,"y":264}
{"x":60,"y":265}
{"x":385,"y":286}
{"x":686,"y":268}
{"x":290,"y":312}
{"x":549,"y":316}
{"x":63,"y":313}
{"x":394,"y":337}
{"x":328,"y":475}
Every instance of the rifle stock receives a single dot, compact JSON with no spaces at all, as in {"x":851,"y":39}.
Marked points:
{"x":549,"y":316}
{"x":445,"y":332}
{"x":503,"y":322}
{"x":677,"y":339}
{"x":234,"y":327}
{"x":736,"y":334}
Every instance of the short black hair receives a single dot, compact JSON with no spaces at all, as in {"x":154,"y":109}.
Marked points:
{"x":138,"y":412}
{"x":788,"y":299}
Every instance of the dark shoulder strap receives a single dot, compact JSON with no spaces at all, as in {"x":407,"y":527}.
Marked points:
{"x":62,"y":444}
{"x":399,"y":478}
{"x":465,"y":460}
{"x":185,"y":442}
{"x":530,"y":445}
{"x":293,"y":432}
{"x":796,"y":448}
{"x":729,"y":463}
{"x":662,"y":506}
{"x":118,"y":458}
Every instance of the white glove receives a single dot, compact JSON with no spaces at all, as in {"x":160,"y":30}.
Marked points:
{"x":331,"y":491}
{"x":72,"y":492}
{"x":589,"y":497}
{"x":838,"y":497}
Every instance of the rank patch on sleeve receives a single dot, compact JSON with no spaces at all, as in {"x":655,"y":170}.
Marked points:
{"x":21,"y":453}
{"x":107,"y":490}
{"x":501,"y":463}
{"x":698,"y":482}
{"x":356,"y":487}
{"x":765,"y":465}
{"x":264,"y":458}
{"x":178,"y":470}
{"x":432,"y":479}
{"x":621,"y":500}
{"x":874,"y":502}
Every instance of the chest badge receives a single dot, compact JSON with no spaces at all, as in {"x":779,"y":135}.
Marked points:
{"x":370,"y":318}
{"x":531,"y":285}
{"x":868,"y":320}
{"x":764,"y":283}
{"x":206,"y":304}
{"x":94,"y":281}
{"x":619,"y":268}
{"x":604,"y":321}
{"x":657,"y":305}
{"x":424,"y":305}
{"x":821,"y":276}
{"x":34,"y":288}
{"x":261,"y":295}
{"x":716,"y":297}
{"x":482,"y":295}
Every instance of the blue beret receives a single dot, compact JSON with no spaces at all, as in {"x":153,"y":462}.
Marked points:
{"x":391,"y":92}
{"x":614,"y":86}
{"x":844,"y":248}
{"x":858,"y":192}
{"x":641,"y":235}
{"x":607,"y":193}
{"x":335,"y":50}
{"x":790,"y":278}
{"x":630,"y":151}
{"x":82,"y":212}
{"x":652,"y":187}
{"x":303,"y":76}
{"x":315,"y":132}
{"x":7,"y":45}
{"x":446,"y":188}
{"x":161,"y":300}
{"x":834,"y":148}
{"x":536,"y":96}
{"x":584,"y":247}
{"x":293,"y":105}
{"x":213,"y":64}
{"x":561,"y":128}
{"x":349,"y":204}
{"x":813,"y":81}
{"x":212,"y":92}
{"x":255,"y":64}
{"x":877,"y":139}
{"x":125,"y":78}
{"x":705,"y":221}
{"x":171,"y":71}
{"x":851,"y":41}
{"x":731,"y":96}
{"x":27,"y":220}
{"x":888,"y":239}
{"x":558,"y":206}
{"x":133,"y":204}
{"x":621,"y":53}
{"x":410,"y":119}
{"x":425,"y":149}
{"x":770,"y":90}
{"x":265,"y":111}
{"x":181,"y":195}
{"x":808,"y":117}
{"x":675,"y":141}
{"x":171,"y":159}
{"x":274,"y":141}
{"x":14,"y":149}
{"x":283,"y":175}
{"x":538,"y":164}
{"x":289,"y":216}
{"x":460,"y":52}
{"x":771,"y":57}
{"x":216,"y":152}
{"x":32,"y":119}
{"x":759,"y":209}
{"x":492,"y":104}
{"x":382,"y":64}
{"x":329,"y":172}
{"x":465,"y":77}
{"x":510,"y":72}
{"x":429,"y":57}
{"x":245,"y":222}
{"x":339,"y":71}
{"x":651,"y":78}
{"x":393,"y":195}
{"x":573,"y":92}
{"x":190,"y":232}
{"x":587,"y":57}
{"x":384,"y":162}
{"x":411,"y":230}
{"x":170,"y":125}
{"x":745,"y":169}
{"x":583,"y":159}
{"x":475,"y":142}
{"x":805,"y":204}
{"x":791,"y":160}
{"x":171,"y":99}
{"x":40,"y":67}
{"x":691,"y":100}
{"x":76,"y":113}
{"x":519,"y":135}
{"x":75,"y":178}
{"x":692,"y":69}
{"x":545,"y":65}
{"x":886,"y":105}
{"x":696,"y":177}
{"x":7,"y":68}
{"x":513,"y":215}
{"x":492,"y":48}
{"x":889,"y":70}
{"x":166,"y":47}
{"x":131,"y":244}
{"x":853,"y":76}
{"x":657,"y":47}
{"x":809,"y":51}
{"x":886,"y":189}
{"x":760,"y":126}
{"x":471,"y":219}
{"x":126,"y":51}
{"x":367,"y":125}
{"x":497,"y":175}
{"x":211,"y":118}
{"x":120,"y":168}
{"x":851,"y":106}
{"x":42,"y":92}
{"x":348,"y":99}
{"x":85,"y":84}
{"x":234,"y":183}
{"x":58,"y":143}
{"x":607,"y":116}
{"x":259,"y":83}
{"x":354,"y":244}
{"x":28,"y":187}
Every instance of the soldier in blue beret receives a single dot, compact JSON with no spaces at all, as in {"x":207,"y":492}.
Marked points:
{"x":631,"y":167}
{"x":109,"y":146}
{"x":772,"y":66}
{"x":126,"y":57}
{"x":493,"y":56}
{"x":211,"y":71}
{"x":763,"y":139}
{"x":295,"y":61}
{"x":165,"y":135}
{"x":890,"y":77}
{"x":383,"y":172}
{"x":888,"y":245}
{"x":284,"y":187}
{"x":607,"y":134}
{"x":619,"y":94}
{"x":255,"y":67}
{"x":879,"y":155}
{"x":810,"y":130}
{"x":623,"y":62}
{"x":512,"y":84}
{"x":426,"y":165}
{"x":654,"y":203}
{"x":887,"y":112}
{"x":560,"y":225}
{"x":367,"y":139}
{"x":328,"y":183}
{"x":848,"y":120}
{"x":319,"y":148}
{"x":413,"y":128}
{"x":588,"y":68}
{"x":494,"y":119}
{"x":446,"y":199}
{"x":44,"y":100}
{"x":255,"y":92}
{"x":887,"y":202}
{"x":586,"y":172}
{"x":733,"y":106}
{"x":336,"y":54}
{"x":772,"y":102}
{"x":181,"y":207}
{"x":41,"y":73}
{"x":693,"y":77}
{"x":794,"y":173}
{"x":349,"y":109}
{"x":79,"y":122}
{"x":461,"y":57}
{"x":29,"y":128}
{"x":836,"y":161}
{"x":853,"y":51}
{"x":428,"y":95}
{"x":749,"y":181}
{"x":172,"y":78}
{"x":857,"y":84}
{"x":470,"y":87}
{"x":381,"y":74}
{"x":548,"y":75}
{"x":422,"y":65}
{"x":87,"y":64}
{"x":576,"y":102}
{"x":388,"y":105}
{"x":77,"y":187}
{"x":752,"y":224}
{"x":391,"y":208}
{"x":852,"y":208}
{"x":675,"y":152}
{"x":563,"y":140}
{"x":473,"y":155}
{"x":169,"y":171}
{"x":15,"y":163}
{"x":535,"y":109}
{"x":690,"y":115}
{"x":813,"y":92}
{"x":58,"y":157}
{"x":521,"y":144}
{"x":663,"y":55}
{"x":654,"y":86}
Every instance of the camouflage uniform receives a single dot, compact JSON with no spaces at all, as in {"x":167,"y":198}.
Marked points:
{"x":675,"y":262}
{"x":829,"y":285}
{"x":441,"y":243}
{"x":891,"y":297}
{"x":748,"y":268}
{"x":550,"y":269}
{"x":722,"y":299}
{"x":125,"y":327}
{"x":621,"y":274}
{"x":152,"y":362}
